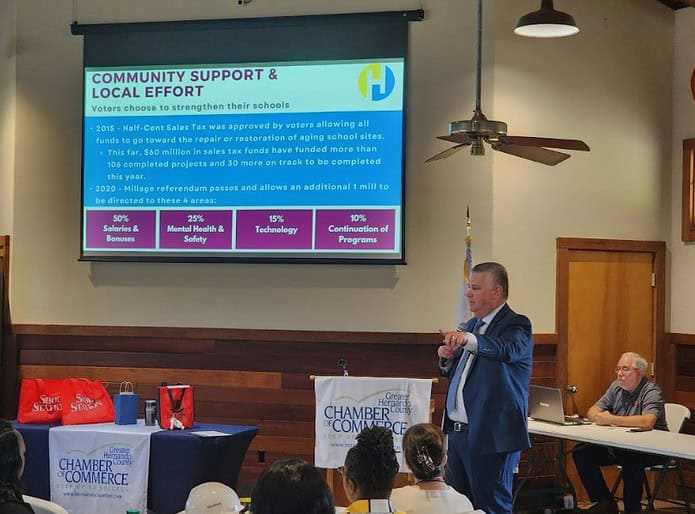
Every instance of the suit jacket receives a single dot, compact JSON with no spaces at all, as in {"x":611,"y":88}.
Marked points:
{"x":496,"y":389}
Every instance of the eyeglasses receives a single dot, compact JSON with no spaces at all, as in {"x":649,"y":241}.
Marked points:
{"x":624,"y":369}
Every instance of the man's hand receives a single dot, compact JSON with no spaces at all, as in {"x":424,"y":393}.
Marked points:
{"x":604,"y":418}
{"x":453,"y":339}
{"x":445,"y":352}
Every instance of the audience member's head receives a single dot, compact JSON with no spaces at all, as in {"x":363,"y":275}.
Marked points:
{"x":370,"y":465}
{"x":212,"y":498}
{"x":291,"y":486}
{"x":11,"y":455}
{"x":424,"y":450}
{"x":639,"y":363}
{"x":631,"y":369}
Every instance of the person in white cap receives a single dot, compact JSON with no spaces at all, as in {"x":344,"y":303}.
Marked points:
{"x":212,"y":498}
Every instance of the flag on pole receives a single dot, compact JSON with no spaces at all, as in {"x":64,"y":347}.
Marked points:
{"x":463,"y":314}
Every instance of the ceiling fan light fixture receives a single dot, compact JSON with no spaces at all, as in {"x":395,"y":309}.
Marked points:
{"x":546,"y":22}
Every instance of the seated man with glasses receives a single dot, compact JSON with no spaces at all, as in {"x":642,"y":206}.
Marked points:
{"x":630,"y":401}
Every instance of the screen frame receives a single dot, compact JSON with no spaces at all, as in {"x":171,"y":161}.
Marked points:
{"x":97,"y":55}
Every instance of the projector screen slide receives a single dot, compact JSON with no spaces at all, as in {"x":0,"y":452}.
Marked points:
{"x":270,"y":160}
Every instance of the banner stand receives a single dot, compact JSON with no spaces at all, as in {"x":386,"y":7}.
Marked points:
{"x":330,"y":470}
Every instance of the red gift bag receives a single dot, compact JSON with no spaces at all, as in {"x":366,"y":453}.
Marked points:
{"x":176,"y":407}
{"x":85,"y":401}
{"x":39,"y":401}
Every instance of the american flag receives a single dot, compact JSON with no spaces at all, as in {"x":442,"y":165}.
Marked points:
{"x":463,"y":312}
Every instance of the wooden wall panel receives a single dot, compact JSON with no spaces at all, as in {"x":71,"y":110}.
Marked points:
{"x":684,"y":349}
{"x":685,"y":374}
{"x":261,"y":377}
{"x":156,"y":376}
{"x":249,"y":377}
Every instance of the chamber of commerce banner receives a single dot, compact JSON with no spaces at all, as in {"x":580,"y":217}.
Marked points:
{"x":346,"y":405}
{"x":100,"y":468}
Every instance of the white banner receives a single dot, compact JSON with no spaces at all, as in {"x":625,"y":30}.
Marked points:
{"x":346,"y":405}
{"x":100,"y":467}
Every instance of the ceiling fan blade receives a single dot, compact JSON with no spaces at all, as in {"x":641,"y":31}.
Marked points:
{"x":447,"y":152}
{"x":550,"y":142}
{"x":542,"y":155}
{"x":459,"y":138}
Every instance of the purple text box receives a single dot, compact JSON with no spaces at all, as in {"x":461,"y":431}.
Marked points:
{"x":276,"y":229}
{"x":120,"y":229}
{"x":355,"y":229}
{"x":200,"y":230}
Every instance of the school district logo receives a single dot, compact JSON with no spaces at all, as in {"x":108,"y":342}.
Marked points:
{"x":376,"y":82}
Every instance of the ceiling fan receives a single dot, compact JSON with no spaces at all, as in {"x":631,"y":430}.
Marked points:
{"x":479,"y":129}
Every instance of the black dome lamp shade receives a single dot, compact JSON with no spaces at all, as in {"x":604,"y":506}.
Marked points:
{"x":546,"y":22}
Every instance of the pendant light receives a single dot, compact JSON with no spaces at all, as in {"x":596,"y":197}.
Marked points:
{"x":546,"y":22}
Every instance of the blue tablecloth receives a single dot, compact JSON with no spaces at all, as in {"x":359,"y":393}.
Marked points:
{"x":179,"y":460}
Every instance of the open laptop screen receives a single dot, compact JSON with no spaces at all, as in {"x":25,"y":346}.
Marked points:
{"x":545,"y":404}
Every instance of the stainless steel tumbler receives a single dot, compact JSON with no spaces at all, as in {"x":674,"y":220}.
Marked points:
{"x":150,"y":412}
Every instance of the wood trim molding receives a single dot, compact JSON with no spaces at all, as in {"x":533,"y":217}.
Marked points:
{"x":683,"y":339}
{"x":678,"y":4}
{"x":688,"y":191}
{"x":231,"y":334}
{"x":234,"y":334}
{"x":544,"y":339}
{"x":610,"y":245}
{"x":561,"y":308}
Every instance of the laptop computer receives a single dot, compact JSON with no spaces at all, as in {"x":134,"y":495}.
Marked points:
{"x":545,"y":404}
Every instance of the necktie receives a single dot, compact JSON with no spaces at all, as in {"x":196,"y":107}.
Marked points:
{"x":458,"y":373}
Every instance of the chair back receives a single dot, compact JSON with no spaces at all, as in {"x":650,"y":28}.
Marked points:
{"x":41,"y":506}
{"x":676,"y":416}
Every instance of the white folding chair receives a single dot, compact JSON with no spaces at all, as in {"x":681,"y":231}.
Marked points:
{"x":41,"y":506}
{"x":676,"y":418}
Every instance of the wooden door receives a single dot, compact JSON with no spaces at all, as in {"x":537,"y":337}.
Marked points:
{"x":610,"y":301}
{"x":610,"y":312}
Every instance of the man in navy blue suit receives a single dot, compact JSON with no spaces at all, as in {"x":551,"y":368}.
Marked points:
{"x":488,"y":362}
